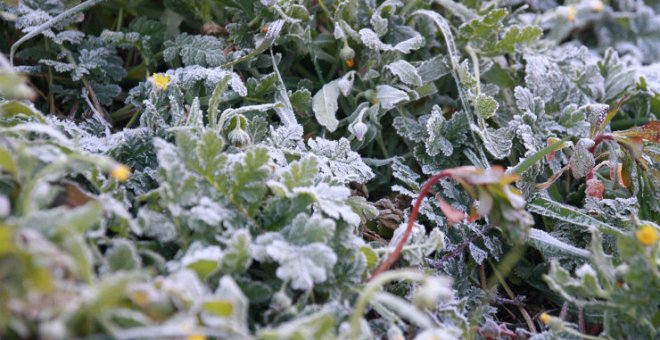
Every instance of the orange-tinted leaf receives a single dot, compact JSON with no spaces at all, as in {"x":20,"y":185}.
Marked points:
{"x":649,"y":132}
{"x":622,"y":182}
{"x":552,"y":179}
{"x":595,"y":188}
{"x":453,"y":215}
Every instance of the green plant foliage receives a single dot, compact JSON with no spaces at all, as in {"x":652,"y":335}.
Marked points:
{"x":338,"y":169}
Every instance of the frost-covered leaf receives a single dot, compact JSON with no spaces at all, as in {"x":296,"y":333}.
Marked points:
{"x":433,"y":69}
{"x":237,"y":257}
{"x":485,"y":106}
{"x":325,"y":105}
{"x":568,"y":214}
{"x":337,"y":161}
{"x":551,"y":246}
{"x":497,"y":141}
{"x":122,"y":256}
{"x":582,"y":160}
{"x":371,"y":39}
{"x":409,"y":128}
{"x":478,"y":254}
{"x":301,"y":173}
{"x":331,"y":200}
{"x":406,"y":72}
{"x":302,"y":266}
{"x":306,"y":229}
{"x":203,"y":260}
{"x":250,"y":175}
{"x":202,"y":50}
{"x":419,"y":244}
{"x":389,"y":96}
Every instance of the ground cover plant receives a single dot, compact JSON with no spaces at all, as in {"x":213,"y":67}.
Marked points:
{"x":309,"y":169}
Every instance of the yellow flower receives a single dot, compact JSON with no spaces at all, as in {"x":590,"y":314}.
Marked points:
{"x":196,"y":337}
{"x":647,"y":235}
{"x":545,"y":318}
{"x":570,"y":16}
{"x":596,"y":6}
{"x":120,"y":172}
{"x":160,"y":80}
{"x":349,"y":63}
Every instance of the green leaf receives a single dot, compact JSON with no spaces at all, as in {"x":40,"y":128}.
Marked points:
{"x":218,"y":307}
{"x":486,"y":106}
{"x":237,"y":256}
{"x":203,"y":260}
{"x":566,"y":213}
{"x":202,"y":50}
{"x":301,"y":173}
{"x":211,"y":161}
{"x":552,"y":247}
{"x":528,"y":162}
{"x":513,"y":36}
{"x":7,"y":162}
{"x":15,"y":109}
{"x":320,"y":325}
{"x":249,"y":177}
{"x":122,"y":256}
{"x":305,"y":229}
{"x":405,"y":72}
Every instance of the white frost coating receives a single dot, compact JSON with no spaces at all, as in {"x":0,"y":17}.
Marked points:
{"x":188,"y":76}
{"x":454,"y":58}
{"x":345,"y":83}
{"x":406,"y":72}
{"x":389,"y":96}
{"x":585,"y":270}
{"x":185,"y":284}
{"x":285,"y":112}
{"x":337,"y":162}
{"x":330,"y":200}
{"x":325,"y":105}
{"x":208,"y":212}
{"x":303,"y":266}
{"x":237,"y":84}
{"x":419,"y":245}
{"x":550,"y":245}
{"x":370,"y":39}
{"x":437,"y":142}
{"x":197,"y":253}
{"x":478,"y":254}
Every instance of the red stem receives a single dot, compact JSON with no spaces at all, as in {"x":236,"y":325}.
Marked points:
{"x":599,"y":139}
{"x":411,"y":221}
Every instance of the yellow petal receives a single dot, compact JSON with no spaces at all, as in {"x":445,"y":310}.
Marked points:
{"x":120,"y":172}
{"x":160,"y":81}
{"x":647,"y":235}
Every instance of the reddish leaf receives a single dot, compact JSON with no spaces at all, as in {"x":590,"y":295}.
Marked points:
{"x":595,"y":188}
{"x":453,"y":215}
{"x":649,"y":132}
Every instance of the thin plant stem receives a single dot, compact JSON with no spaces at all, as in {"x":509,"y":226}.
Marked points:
{"x":411,"y":221}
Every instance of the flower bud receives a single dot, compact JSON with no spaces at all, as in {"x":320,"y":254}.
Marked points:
{"x":238,"y":137}
{"x":358,"y":129}
{"x":347,"y":53}
{"x":280,"y":301}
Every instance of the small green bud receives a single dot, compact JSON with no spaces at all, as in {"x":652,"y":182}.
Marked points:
{"x":347,"y":53}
